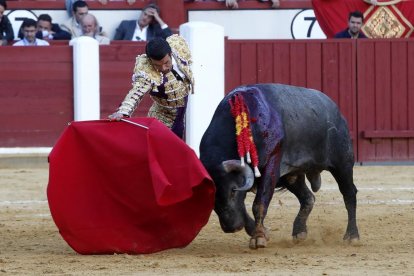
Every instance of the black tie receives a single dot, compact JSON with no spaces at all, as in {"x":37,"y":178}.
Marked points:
{"x":176,"y":75}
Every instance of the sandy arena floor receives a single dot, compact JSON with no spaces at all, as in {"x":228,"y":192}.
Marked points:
{"x":31,"y":245}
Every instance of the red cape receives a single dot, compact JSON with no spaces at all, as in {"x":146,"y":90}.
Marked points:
{"x":118,"y":188}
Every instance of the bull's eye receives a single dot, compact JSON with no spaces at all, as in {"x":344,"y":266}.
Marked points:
{"x":233,"y":192}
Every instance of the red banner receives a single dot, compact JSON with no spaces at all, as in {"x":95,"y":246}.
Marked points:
{"x":387,"y":19}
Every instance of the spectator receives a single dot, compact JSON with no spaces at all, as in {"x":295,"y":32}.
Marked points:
{"x":275,"y":3}
{"x":165,"y":73}
{"x":104,"y":2}
{"x":49,"y":31}
{"x":29,"y":35}
{"x":69,"y":3}
{"x":90,"y":27}
{"x":230,"y":3}
{"x":355,"y":20}
{"x":79,"y":9}
{"x":6,"y":29}
{"x":149,"y":25}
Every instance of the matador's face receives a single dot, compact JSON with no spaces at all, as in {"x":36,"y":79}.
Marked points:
{"x":164,"y":65}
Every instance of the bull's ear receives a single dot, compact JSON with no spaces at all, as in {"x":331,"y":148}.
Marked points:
{"x":246,"y":171}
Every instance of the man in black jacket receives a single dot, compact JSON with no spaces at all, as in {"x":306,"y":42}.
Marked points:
{"x":6,"y":29}
{"x":149,"y":25}
{"x":355,"y":21}
{"x":49,"y":31}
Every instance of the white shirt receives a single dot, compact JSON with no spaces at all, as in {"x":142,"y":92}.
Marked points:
{"x":37,"y":42}
{"x":140,"y":35}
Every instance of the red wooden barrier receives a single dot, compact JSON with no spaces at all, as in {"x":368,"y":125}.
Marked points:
{"x":116,"y":68}
{"x":385,"y":100}
{"x":370,"y":80}
{"x":326,"y":65}
{"x":36,"y":90}
{"x":36,"y":95}
{"x":373,"y":75}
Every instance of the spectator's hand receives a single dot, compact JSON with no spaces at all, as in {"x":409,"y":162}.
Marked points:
{"x":232,"y":4}
{"x":130,"y":2}
{"x":275,"y":3}
{"x":115,"y":116}
{"x":153,"y":12}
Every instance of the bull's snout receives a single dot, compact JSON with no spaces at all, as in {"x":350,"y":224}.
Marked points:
{"x":230,"y":222}
{"x":231,"y":228}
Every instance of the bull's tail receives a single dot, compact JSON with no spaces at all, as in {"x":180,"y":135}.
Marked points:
{"x":245,"y":142}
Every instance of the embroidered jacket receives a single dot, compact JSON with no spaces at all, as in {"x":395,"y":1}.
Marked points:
{"x":167,"y":92}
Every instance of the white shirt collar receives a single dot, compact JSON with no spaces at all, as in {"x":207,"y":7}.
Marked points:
{"x":140,"y":35}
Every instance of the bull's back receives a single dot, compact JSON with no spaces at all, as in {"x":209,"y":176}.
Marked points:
{"x":315,"y":132}
{"x":310,"y":125}
{"x":313,"y":128}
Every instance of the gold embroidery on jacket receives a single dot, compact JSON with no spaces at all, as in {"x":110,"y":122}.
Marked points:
{"x":146,"y":79}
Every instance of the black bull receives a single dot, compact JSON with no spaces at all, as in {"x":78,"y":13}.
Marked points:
{"x":298,"y":133}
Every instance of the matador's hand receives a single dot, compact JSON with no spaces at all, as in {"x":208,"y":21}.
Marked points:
{"x":116,"y":116}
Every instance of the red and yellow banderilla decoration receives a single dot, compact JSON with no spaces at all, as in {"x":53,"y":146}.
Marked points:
{"x":245,"y":142}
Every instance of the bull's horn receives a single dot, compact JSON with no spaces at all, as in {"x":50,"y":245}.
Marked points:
{"x":234,"y":165}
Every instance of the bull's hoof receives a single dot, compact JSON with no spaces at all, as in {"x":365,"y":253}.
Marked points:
{"x":354,"y":241}
{"x":300,"y":237}
{"x":351,"y":238}
{"x":259,"y":242}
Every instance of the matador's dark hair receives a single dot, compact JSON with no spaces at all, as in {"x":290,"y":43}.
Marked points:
{"x":157,"y":48}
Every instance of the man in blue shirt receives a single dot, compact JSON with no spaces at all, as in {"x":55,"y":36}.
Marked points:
{"x":355,"y":20}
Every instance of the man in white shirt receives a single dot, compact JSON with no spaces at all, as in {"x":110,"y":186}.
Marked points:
{"x":149,"y":25}
{"x":79,"y":9}
{"x":29,"y":29}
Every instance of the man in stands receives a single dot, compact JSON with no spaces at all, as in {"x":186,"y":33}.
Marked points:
{"x":90,"y":27}
{"x":6,"y":29}
{"x":148,"y":26}
{"x":79,"y":9}
{"x":355,"y":20}
{"x":49,"y":31}
{"x":165,"y":73}
{"x":46,"y":30}
{"x":29,"y":35}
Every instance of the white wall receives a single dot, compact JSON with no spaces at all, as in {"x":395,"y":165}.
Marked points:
{"x":263,"y":24}
{"x":206,"y":42}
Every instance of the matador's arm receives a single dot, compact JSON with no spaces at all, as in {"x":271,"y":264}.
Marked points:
{"x":140,"y":87}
